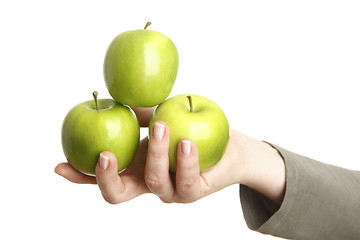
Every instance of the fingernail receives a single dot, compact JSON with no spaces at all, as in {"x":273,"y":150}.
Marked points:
{"x":159,"y":130}
{"x":186,"y":147}
{"x":104,"y":161}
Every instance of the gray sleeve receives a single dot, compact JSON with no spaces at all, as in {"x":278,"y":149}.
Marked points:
{"x":321,"y":202}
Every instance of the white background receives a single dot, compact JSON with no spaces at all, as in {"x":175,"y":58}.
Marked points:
{"x":283,"y":71}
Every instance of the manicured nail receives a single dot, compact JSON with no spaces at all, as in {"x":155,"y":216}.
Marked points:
{"x":159,"y":130}
{"x":104,"y":161}
{"x":186,"y":147}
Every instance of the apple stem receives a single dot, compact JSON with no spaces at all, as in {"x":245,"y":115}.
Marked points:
{"x":190,"y":103}
{"x":95,"y":93}
{"x":147,"y":24}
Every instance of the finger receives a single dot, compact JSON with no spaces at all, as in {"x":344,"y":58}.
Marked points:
{"x":188,"y":171}
{"x":143,"y":115}
{"x":68,"y":172}
{"x":157,"y":177}
{"x":108,"y":179}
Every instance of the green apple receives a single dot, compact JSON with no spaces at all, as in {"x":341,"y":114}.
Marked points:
{"x":95,"y":126}
{"x":140,"y":67}
{"x":196,"y":118}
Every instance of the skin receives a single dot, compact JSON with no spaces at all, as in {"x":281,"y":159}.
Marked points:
{"x":246,"y":161}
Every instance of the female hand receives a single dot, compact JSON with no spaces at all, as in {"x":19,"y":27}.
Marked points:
{"x":245,"y":161}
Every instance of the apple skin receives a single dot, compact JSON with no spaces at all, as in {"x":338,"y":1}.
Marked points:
{"x":86,"y":132}
{"x":207,"y":126}
{"x":140,"y":68}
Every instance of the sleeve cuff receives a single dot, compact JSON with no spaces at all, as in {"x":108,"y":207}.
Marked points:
{"x":261,"y":213}
{"x":319,"y":199}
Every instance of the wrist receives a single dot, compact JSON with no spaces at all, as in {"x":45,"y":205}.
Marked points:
{"x":262,"y":168}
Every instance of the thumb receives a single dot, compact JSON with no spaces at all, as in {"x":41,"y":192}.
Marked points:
{"x":107,"y":177}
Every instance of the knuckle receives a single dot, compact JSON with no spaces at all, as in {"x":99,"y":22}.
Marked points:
{"x":188,"y":190}
{"x":154,"y":182}
{"x":157,"y":151}
{"x":156,"y":155}
{"x":186,"y":186}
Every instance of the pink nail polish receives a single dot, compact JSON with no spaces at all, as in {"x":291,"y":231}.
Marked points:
{"x":104,"y":161}
{"x":186,"y":147}
{"x":159,"y":130}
